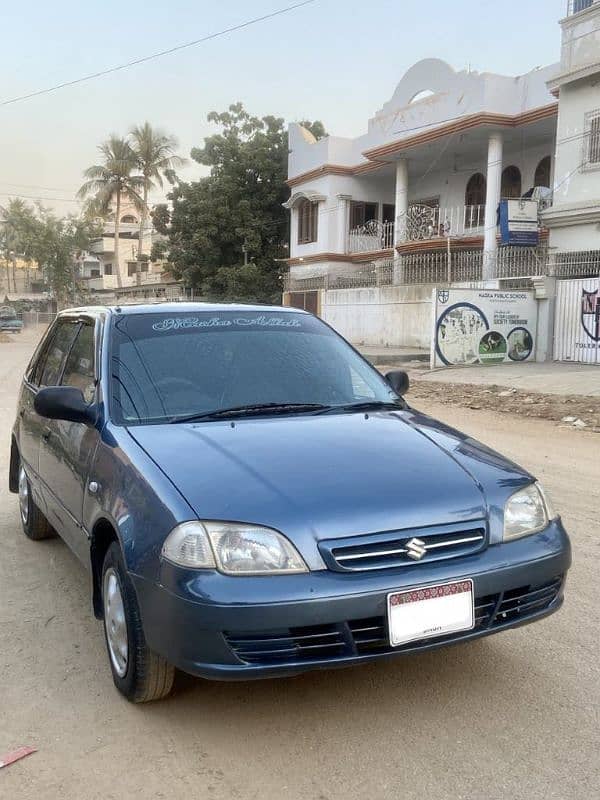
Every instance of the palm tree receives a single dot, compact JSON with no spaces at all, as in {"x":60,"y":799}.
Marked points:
{"x":114,"y":180}
{"x":156,"y":159}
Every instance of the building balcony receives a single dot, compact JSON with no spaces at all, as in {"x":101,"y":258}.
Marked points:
{"x":422,"y":223}
{"x":575,"y":6}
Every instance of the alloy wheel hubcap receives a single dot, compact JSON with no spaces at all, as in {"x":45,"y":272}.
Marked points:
{"x":23,"y":496}
{"x":114,"y":622}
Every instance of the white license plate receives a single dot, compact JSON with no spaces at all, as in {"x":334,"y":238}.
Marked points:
{"x":430,"y":611}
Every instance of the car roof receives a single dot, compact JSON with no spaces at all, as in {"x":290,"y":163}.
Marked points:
{"x":172,"y":308}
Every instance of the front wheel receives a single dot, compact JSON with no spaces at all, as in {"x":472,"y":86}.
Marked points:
{"x":140,"y":674}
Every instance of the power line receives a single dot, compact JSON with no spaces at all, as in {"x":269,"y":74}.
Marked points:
{"x":159,"y":54}
{"x":35,"y":197}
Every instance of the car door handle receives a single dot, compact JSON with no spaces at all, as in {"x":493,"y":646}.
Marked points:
{"x":46,"y":434}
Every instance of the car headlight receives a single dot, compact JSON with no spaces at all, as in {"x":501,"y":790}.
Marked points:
{"x":527,"y":511}
{"x":233,"y":548}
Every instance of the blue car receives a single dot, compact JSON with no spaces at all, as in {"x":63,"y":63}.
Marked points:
{"x":252,"y":499}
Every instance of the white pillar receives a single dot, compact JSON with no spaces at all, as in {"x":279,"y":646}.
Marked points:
{"x":401,"y":200}
{"x":494,"y":183}
{"x":343,"y":219}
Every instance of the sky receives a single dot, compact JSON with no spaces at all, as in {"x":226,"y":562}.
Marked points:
{"x":334,"y":60}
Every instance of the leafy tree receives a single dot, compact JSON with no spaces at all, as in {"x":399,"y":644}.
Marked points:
{"x":55,"y":244}
{"x":16,"y":230}
{"x":37,"y":234}
{"x":114,"y":180}
{"x":156,"y":160}
{"x":238,"y":207}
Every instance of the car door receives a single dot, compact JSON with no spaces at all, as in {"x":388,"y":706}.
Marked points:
{"x":30,"y":424}
{"x":66,"y":447}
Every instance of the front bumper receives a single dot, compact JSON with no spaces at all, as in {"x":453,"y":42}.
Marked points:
{"x":233,"y":628}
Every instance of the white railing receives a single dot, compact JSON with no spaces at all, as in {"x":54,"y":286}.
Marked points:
{"x":575,"y":6}
{"x":371,"y":237}
{"x":434,"y":222}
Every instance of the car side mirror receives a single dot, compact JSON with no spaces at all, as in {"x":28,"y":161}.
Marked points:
{"x":398,"y":380}
{"x":64,"y":402}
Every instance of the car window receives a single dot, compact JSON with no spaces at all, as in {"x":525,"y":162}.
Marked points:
{"x":168,"y":366}
{"x":79,"y":368}
{"x":56,"y":353}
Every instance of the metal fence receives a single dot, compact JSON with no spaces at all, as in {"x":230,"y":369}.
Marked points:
{"x":514,"y":267}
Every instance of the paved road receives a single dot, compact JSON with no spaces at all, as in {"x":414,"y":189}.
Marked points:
{"x":514,"y":716}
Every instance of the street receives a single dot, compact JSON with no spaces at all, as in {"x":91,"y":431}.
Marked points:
{"x":511,"y":716}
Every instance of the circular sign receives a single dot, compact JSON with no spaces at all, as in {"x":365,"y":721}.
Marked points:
{"x":492,"y":348}
{"x":520,"y":344}
{"x":458,"y":334}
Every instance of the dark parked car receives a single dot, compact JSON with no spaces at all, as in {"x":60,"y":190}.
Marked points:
{"x":253,"y":499}
{"x":9,"y":320}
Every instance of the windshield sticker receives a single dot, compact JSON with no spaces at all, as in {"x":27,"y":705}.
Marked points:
{"x":179,"y":323}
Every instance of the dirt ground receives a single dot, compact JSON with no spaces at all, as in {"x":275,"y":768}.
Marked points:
{"x":513,"y":716}
{"x":568,"y":410}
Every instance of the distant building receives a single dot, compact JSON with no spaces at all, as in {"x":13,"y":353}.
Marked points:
{"x":142,"y":279}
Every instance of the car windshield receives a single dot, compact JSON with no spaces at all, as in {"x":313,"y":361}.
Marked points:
{"x":166,"y":367}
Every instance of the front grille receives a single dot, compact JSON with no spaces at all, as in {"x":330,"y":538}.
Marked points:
{"x":361,"y":637}
{"x":402,"y":548}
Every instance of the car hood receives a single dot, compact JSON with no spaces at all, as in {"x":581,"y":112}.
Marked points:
{"x":321,"y":477}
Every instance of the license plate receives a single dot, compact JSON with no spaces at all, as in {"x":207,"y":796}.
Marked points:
{"x":430,"y":611}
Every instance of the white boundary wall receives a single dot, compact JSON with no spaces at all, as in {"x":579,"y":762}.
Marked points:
{"x":388,"y":316}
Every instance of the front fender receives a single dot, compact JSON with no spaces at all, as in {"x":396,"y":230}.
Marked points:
{"x":135,"y":497}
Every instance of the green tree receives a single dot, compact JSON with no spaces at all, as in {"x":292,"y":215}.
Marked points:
{"x":55,"y":244}
{"x":157,"y":160}
{"x":16,"y":231}
{"x":236,"y":213}
{"x":113,"y":181}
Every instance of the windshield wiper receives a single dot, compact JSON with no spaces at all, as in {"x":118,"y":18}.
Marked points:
{"x":366,"y":405}
{"x":250,"y":410}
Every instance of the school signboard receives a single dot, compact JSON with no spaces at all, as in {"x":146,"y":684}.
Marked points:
{"x":519,"y":222}
{"x":482,"y":326}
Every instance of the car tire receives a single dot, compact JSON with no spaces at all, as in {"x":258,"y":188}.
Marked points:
{"x":35,"y":524}
{"x":140,"y":674}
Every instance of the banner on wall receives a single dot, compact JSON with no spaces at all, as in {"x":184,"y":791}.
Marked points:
{"x":577,"y":321}
{"x":482,"y":326}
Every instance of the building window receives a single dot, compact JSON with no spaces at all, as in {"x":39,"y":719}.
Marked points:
{"x":308,"y":222}
{"x":129,"y":218}
{"x":591,"y":158}
{"x":511,"y":183}
{"x":542,"y":173}
{"x":361,"y":213}
{"x":476,"y":190}
{"x":108,"y":269}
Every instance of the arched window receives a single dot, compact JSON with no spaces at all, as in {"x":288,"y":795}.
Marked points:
{"x":511,"y":183}
{"x":308,"y":221}
{"x":129,"y":218}
{"x":542,"y":172}
{"x":476,"y":189}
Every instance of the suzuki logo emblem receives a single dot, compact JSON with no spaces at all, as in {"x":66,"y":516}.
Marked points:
{"x":415,"y":549}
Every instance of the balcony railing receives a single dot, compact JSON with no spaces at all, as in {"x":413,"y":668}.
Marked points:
{"x":575,"y":6}
{"x":371,"y":237}
{"x":435,"y":222}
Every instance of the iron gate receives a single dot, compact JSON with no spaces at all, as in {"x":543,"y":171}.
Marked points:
{"x":577,"y":321}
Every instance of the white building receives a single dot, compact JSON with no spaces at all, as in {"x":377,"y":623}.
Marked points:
{"x":574,"y":219}
{"x":430,"y":170}
{"x":141,"y":278}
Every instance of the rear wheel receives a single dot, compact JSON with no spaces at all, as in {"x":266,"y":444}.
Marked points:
{"x":140,"y":674}
{"x":35,"y":524}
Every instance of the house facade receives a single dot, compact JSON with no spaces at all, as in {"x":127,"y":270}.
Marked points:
{"x":574,"y":218}
{"x":426,"y":177}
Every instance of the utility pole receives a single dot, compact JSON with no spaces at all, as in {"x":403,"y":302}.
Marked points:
{"x":245,"y":252}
